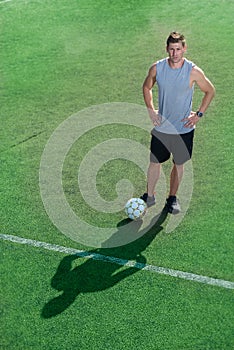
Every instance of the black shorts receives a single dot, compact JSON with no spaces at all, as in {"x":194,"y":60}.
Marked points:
{"x":163,"y":145}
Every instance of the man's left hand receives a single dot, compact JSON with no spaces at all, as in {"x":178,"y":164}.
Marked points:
{"x":191,"y":120}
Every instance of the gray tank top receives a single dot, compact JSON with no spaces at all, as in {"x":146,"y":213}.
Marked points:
{"x":174,"y":96}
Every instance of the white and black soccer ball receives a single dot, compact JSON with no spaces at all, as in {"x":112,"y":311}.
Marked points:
{"x":135,"y":208}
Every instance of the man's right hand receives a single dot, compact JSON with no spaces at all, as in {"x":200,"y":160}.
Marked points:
{"x":155,"y":116}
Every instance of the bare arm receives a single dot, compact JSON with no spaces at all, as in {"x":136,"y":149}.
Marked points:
{"x":205,"y":86}
{"x":148,"y":95}
{"x":147,"y":87}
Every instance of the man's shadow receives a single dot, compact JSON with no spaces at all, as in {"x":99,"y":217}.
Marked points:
{"x":97,"y":275}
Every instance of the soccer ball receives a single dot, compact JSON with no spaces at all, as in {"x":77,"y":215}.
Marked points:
{"x":135,"y":208}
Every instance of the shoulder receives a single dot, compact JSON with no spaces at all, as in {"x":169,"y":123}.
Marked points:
{"x":197,"y":73}
{"x":152,"y":70}
{"x":161,"y":62}
{"x":199,"y":77}
{"x":189,"y":65}
{"x":157,"y":66}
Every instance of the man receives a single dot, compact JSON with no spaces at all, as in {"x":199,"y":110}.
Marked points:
{"x":174,"y":121}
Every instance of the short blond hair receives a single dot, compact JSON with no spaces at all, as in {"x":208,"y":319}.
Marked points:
{"x":176,"y":37}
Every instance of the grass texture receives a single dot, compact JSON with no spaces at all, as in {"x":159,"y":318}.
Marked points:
{"x":57,"y":58}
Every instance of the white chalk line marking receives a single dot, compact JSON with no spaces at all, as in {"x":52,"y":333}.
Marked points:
{"x":95,"y":256}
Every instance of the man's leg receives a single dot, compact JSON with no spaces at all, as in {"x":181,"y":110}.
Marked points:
{"x":182,"y":152}
{"x":175,"y":179}
{"x":153,"y":177}
{"x":172,"y":203}
{"x":159,"y":154}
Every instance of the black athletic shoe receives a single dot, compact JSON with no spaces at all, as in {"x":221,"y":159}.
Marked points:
{"x":148,"y":200}
{"x":173,"y":205}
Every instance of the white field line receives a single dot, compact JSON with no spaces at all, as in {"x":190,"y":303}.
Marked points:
{"x":95,"y":256}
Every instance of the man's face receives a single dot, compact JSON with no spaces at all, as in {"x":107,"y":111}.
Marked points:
{"x":176,"y":52}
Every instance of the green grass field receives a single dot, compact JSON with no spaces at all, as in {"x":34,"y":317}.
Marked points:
{"x":58,"y":58}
